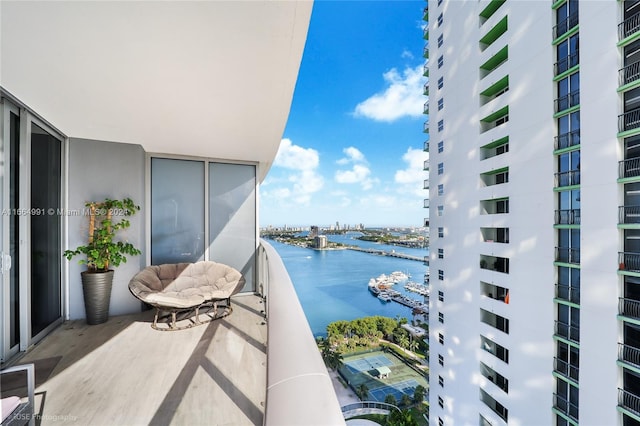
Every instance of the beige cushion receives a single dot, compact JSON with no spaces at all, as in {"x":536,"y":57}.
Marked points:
{"x":184,"y":285}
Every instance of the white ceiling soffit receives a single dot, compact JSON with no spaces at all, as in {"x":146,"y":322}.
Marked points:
{"x":201,"y":78}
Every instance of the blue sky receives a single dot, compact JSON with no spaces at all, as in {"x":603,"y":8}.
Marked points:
{"x":352,"y":148}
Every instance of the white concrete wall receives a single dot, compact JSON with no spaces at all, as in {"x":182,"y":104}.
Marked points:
{"x":599,"y":107}
{"x":532,"y":239}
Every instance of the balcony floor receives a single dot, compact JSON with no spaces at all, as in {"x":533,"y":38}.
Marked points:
{"x":125,"y":372}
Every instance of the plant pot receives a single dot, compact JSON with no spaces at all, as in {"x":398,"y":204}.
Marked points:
{"x":96,"y":288}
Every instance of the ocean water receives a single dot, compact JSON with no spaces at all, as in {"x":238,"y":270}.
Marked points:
{"x":333,"y":284}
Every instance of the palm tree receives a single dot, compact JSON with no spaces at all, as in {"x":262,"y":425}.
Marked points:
{"x":403,"y":341}
{"x":418,"y":394}
{"x":405,"y":400}
{"x":363,"y":392}
{"x":413,"y":346}
{"x":390,"y":399}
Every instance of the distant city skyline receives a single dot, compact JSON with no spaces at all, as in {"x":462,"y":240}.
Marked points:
{"x":352,"y":150}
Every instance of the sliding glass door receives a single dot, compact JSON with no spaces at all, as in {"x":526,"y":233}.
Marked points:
{"x":30,"y":229}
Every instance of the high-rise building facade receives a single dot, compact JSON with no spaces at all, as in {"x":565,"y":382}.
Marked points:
{"x":534,"y":140}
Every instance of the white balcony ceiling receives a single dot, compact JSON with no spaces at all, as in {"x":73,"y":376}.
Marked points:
{"x":202,"y":78}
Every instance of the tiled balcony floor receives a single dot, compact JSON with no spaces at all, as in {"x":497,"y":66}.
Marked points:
{"x":125,"y":373}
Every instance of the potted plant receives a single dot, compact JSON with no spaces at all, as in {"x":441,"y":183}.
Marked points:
{"x":102,"y":252}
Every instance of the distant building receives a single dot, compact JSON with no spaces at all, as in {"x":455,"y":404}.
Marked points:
{"x":313,"y":232}
{"x":320,"y":241}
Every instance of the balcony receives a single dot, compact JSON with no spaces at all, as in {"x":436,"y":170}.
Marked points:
{"x":629,"y":120}
{"x":567,"y":217}
{"x":568,"y":293}
{"x":567,"y":140}
{"x":564,"y":26}
{"x":629,"y":401}
{"x":426,"y":203}
{"x":567,"y":101}
{"x":425,"y":166}
{"x":426,"y":184}
{"x":567,"y":331}
{"x":425,"y":128}
{"x":425,"y":73}
{"x":567,"y":370}
{"x":628,"y":27}
{"x":629,"y":168}
{"x":426,"y":146}
{"x":629,"y":308}
{"x":259,"y":365}
{"x":629,"y":354}
{"x":629,"y":74}
{"x":568,"y":255}
{"x":629,"y":215}
{"x":561,"y":404}
{"x":566,"y":63}
{"x":569,"y":178}
{"x":425,"y":51}
{"x":629,"y":261}
{"x":425,"y":109}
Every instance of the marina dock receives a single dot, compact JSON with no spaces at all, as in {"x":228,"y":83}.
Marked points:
{"x":424,"y":259}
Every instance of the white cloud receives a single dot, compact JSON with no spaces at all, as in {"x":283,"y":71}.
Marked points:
{"x":406,"y":54}
{"x":410,"y":179}
{"x":402,"y":97}
{"x":303,"y":179}
{"x":359,"y":172}
{"x":295,"y":157}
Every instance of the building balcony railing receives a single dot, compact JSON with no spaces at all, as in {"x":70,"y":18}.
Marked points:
{"x":426,"y":184}
{"x":425,"y":129}
{"x":628,"y":26}
{"x":629,"y":401}
{"x":426,"y":165}
{"x":426,"y":146}
{"x":425,"y":109}
{"x":568,"y":293}
{"x":567,"y":217}
{"x":629,"y":261}
{"x":565,"y":63}
{"x":629,"y":214}
{"x":425,"y":73}
{"x":568,"y":331}
{"x":425,"y":51}
{"x":629,"y":354}
{"x":629,"y":74}
{"x":561,"y":404}
{"x":568,"y":255}
{"x":629,"y":120}
{"x":290,"y":338}
{"x":571,"y":177}
{"x":567,"y":101}
{"x":567,"y":370}
{"x":568,"y":139}
{"x":426,"y":203}
{"x":565,"y":25}
{"x":629,"y":308}
{"x":629,"y":168}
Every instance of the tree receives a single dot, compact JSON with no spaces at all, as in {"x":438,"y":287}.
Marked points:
{"x":403,"y":341}
{"x":363,"y":392}
{"x":401,"y":418}
{"x":413,"y":346}
{"x":418,"y":394}
{"x":405,"y":401}
{"x":390,"y":399}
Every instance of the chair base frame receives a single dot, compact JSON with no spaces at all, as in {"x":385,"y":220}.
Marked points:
{"x":204,"y":313}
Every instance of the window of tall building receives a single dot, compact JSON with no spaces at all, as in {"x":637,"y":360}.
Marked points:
{"x":566,"y":17}
{"x":440,"y":210}
{"x":568,"y":130}
{"x":440,"y":61}
{"x":441,"y":360}
{"x":440,"y":189}
{"x":440,"y":19}
{"x":440,"y":232}
{"x":440,"y":125}
{"x":440,"y":82}
{"x":567,"y":54}
{"x":440,"y":147}
{"x":440,"y":168}
{"x":441,"y":317}
{"x":441,"y":295}
{"x":568,"y":92}
{"x":441,"y":381}
{"x":440,"y":274}
{"x":440,"y":40}
{"x":440,"y":253}
{"x":440,"y":104}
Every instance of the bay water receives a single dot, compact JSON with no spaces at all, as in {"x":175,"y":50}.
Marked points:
{"x":332,"y":285}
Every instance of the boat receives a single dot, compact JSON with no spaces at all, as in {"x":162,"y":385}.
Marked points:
{"x":384,"y":296}
{"x":374,"y":289}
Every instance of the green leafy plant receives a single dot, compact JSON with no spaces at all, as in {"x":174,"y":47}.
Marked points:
{"x":106,"y":218}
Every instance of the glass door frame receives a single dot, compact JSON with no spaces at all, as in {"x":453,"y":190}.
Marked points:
{"x":8,"y":105}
